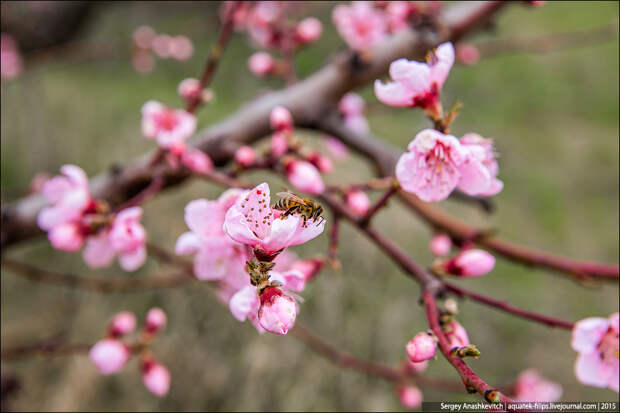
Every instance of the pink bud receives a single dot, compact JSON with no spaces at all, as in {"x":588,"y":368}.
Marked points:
{"x":468,"y":54}
{"x":323,"y":163}
{"x":122,"y":324}
{"x":143,"y":37}
{"x":305,"y":177}
{"x":456,"y":334}
{"x":109,"y":355}
{"x":470,"y":263}
{"x":309,"y":30}
{"x":261,"y":64}
{"x":143,"y":61}
{"x":410,"y":397}
{"x":421,"y":347}
{"x":66,"y":237}
{"x":245,"y":156}
{"x":308,"y":267}
{"x":189,"y":88}
{"x":181,"y":48}
{"x":155,"y":320}
{"x":281,"y":119}
{"x":336,"y":148}
{"x":279,"y":144}
{"x":197,"y":161}
{"x":358,"y":201}
{"x":156,"y":378}
{"x":277,"y":311}
{"x":440,"y":244}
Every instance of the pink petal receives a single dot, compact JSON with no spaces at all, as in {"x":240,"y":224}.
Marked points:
{"x":131,"y":261}
{"x":475,"y":177}
{"x":414,"y":76}
{"x":130,"y":215}
{"x":445,"y":60}
{"x":591,"y":370}
{"x":282,"y":234}
{"x":214,"y":259}
{"x":237,"y":228}
{"x":98,"y":252}
{"x":351,"y":104}
{"x":357,"y":123}
{"x":244,"y":303}
{"x":76,"y":175}
{"x":66,"y":237}
{"x":393,"y":94}
{"x":188,"y":243}
{"x":256,"y":210}
{"x":588,"y":333}
{"x":55,"y":188}
{"x":304,"y":234}
{"x":204,"y":217}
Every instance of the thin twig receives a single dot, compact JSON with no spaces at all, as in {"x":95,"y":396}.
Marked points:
{"x":381,"y":202}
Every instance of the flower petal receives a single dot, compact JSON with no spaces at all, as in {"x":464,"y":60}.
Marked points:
{"x":393,"y":94}
{"x":591,"y":370}
{"x":588,"y":333}
{"x":188,"y":243}
{"x":131,"y":261}
{"x":98,"y":252}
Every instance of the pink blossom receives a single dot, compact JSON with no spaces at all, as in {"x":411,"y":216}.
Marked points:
{"x":479,"y":170}
{"x":308,"y":30}
{"x":143,"y":61}
{"x":217,"y":256}
{"x":128,"y":238}
{"x":596,"y":341}
{"x":196,"y":160}
{"x":279,"y":144}
{"x":470,"y":263}
{"x":66,"y":237}
{"x":168,"y":126}
{"x":143,"y":37}
{"x":417,"y":84}
{"x":277,"y":311}
{"x":281,"y":119}
{"x":410,"y":396}
{"x":189,"y":88}
{"x":468,"y":54}
{"x":456,"y":334}
{"x":359,"y":24}
{"x":245,"y":155}
{"x":261,"y":64}
{"x":322,"y":162}
{"x":251,"y":221}
{"x":181,"y":48}
{"x":531,"y":387}
{"x":245,"y":303}
{"x":440,"y":244}
{"x":161,"y":45}
{"x":336,"y":148}
{"x":69,"y":196}
{"x":156,"y":378}
{"x":430,"y":168}
{"x":109,"y":355}
{"x":398,"y":13}
{"x":309,"y":267}
{"x":305,"y":177}
{"x":351,"y":104}
{"x":155,"y":320}
{"x":421,"y":347}
{"x":10,"y":60}
{"x":122,"y":324}
{"x":292,"y":279}
{"x":358,"y":201}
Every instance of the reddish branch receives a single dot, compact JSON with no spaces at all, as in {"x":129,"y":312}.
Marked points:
{"x":381,"y":202}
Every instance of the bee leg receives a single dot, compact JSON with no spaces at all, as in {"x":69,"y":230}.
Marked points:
{"x":304,"y":225}
{"x":289,"y":212}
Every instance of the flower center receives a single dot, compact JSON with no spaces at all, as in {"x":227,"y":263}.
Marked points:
{"x":608,"y":347}
{"x":167,"y":120}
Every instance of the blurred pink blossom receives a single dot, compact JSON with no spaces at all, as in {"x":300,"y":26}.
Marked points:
{"x":309,"y":30}
{"x":143,"y":61}
{"x":596,"y":341}
{"x":261,"y":64}
{"x":410,"y":396}
{"x":305,"y":177}
{"x":281,"y":119}
{"x":440,"y":244}
{"x":322,"y":162}
{"x":162,"y":46}
{"x":10,"y":60}
{"x":468,"y":54}
{"x":358,"y":201}
{"x":122,"y":324}
{"x":456,"y":334}
{"x":359,"y":24}
{"x":128,"y":238}
{"x":109,"y":356}
{"x":155,"y":320}
{"x":168,"y":126}
{"x":156,"y":378}
{"x":196,"y":160}
{"x":279,"y":144}
{"x":531,"y":387}
{"x":189,"y":88}
{"x":245,"y":155}
{"x":336,"y":148}
{"x":181,"y":48}
{"x":143,"y":37}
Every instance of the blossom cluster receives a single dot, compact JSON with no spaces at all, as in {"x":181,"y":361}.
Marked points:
{"x":147,"y":44}
{"x":74,"y":218}
{"x":110,"y":354}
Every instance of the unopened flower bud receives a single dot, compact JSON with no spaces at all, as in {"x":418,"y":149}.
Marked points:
{"x":156,"y":377}
{"x":305,"y":177}
{"x":323,"y":163}
{"x":421,"y":347}
{"x":467,"y":54}
{"x":470,"y":263}
{"x":440,"y":244}
{"x":277,"y":311}
{"x":122,"y":324}
{"x":261,"y":64}
{"x":415,"y":368}
{"x":189,"y":88}
{"x":109,"y":355}
{"x":358,"y":201}
{"x":155,"y":320}
{"x":279,"y":144}
{"x":245,"y":156}
{"x":308,"y":30}
{"x":281,"y":119}
{"x":410,"y":397}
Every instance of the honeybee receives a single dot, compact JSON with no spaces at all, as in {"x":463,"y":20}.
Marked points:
{"x":291,"y":203}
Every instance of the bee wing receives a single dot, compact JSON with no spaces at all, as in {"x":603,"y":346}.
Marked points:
{"x":290,"y":196}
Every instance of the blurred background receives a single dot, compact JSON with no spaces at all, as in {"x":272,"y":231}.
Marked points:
{"x":554,"y":117}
